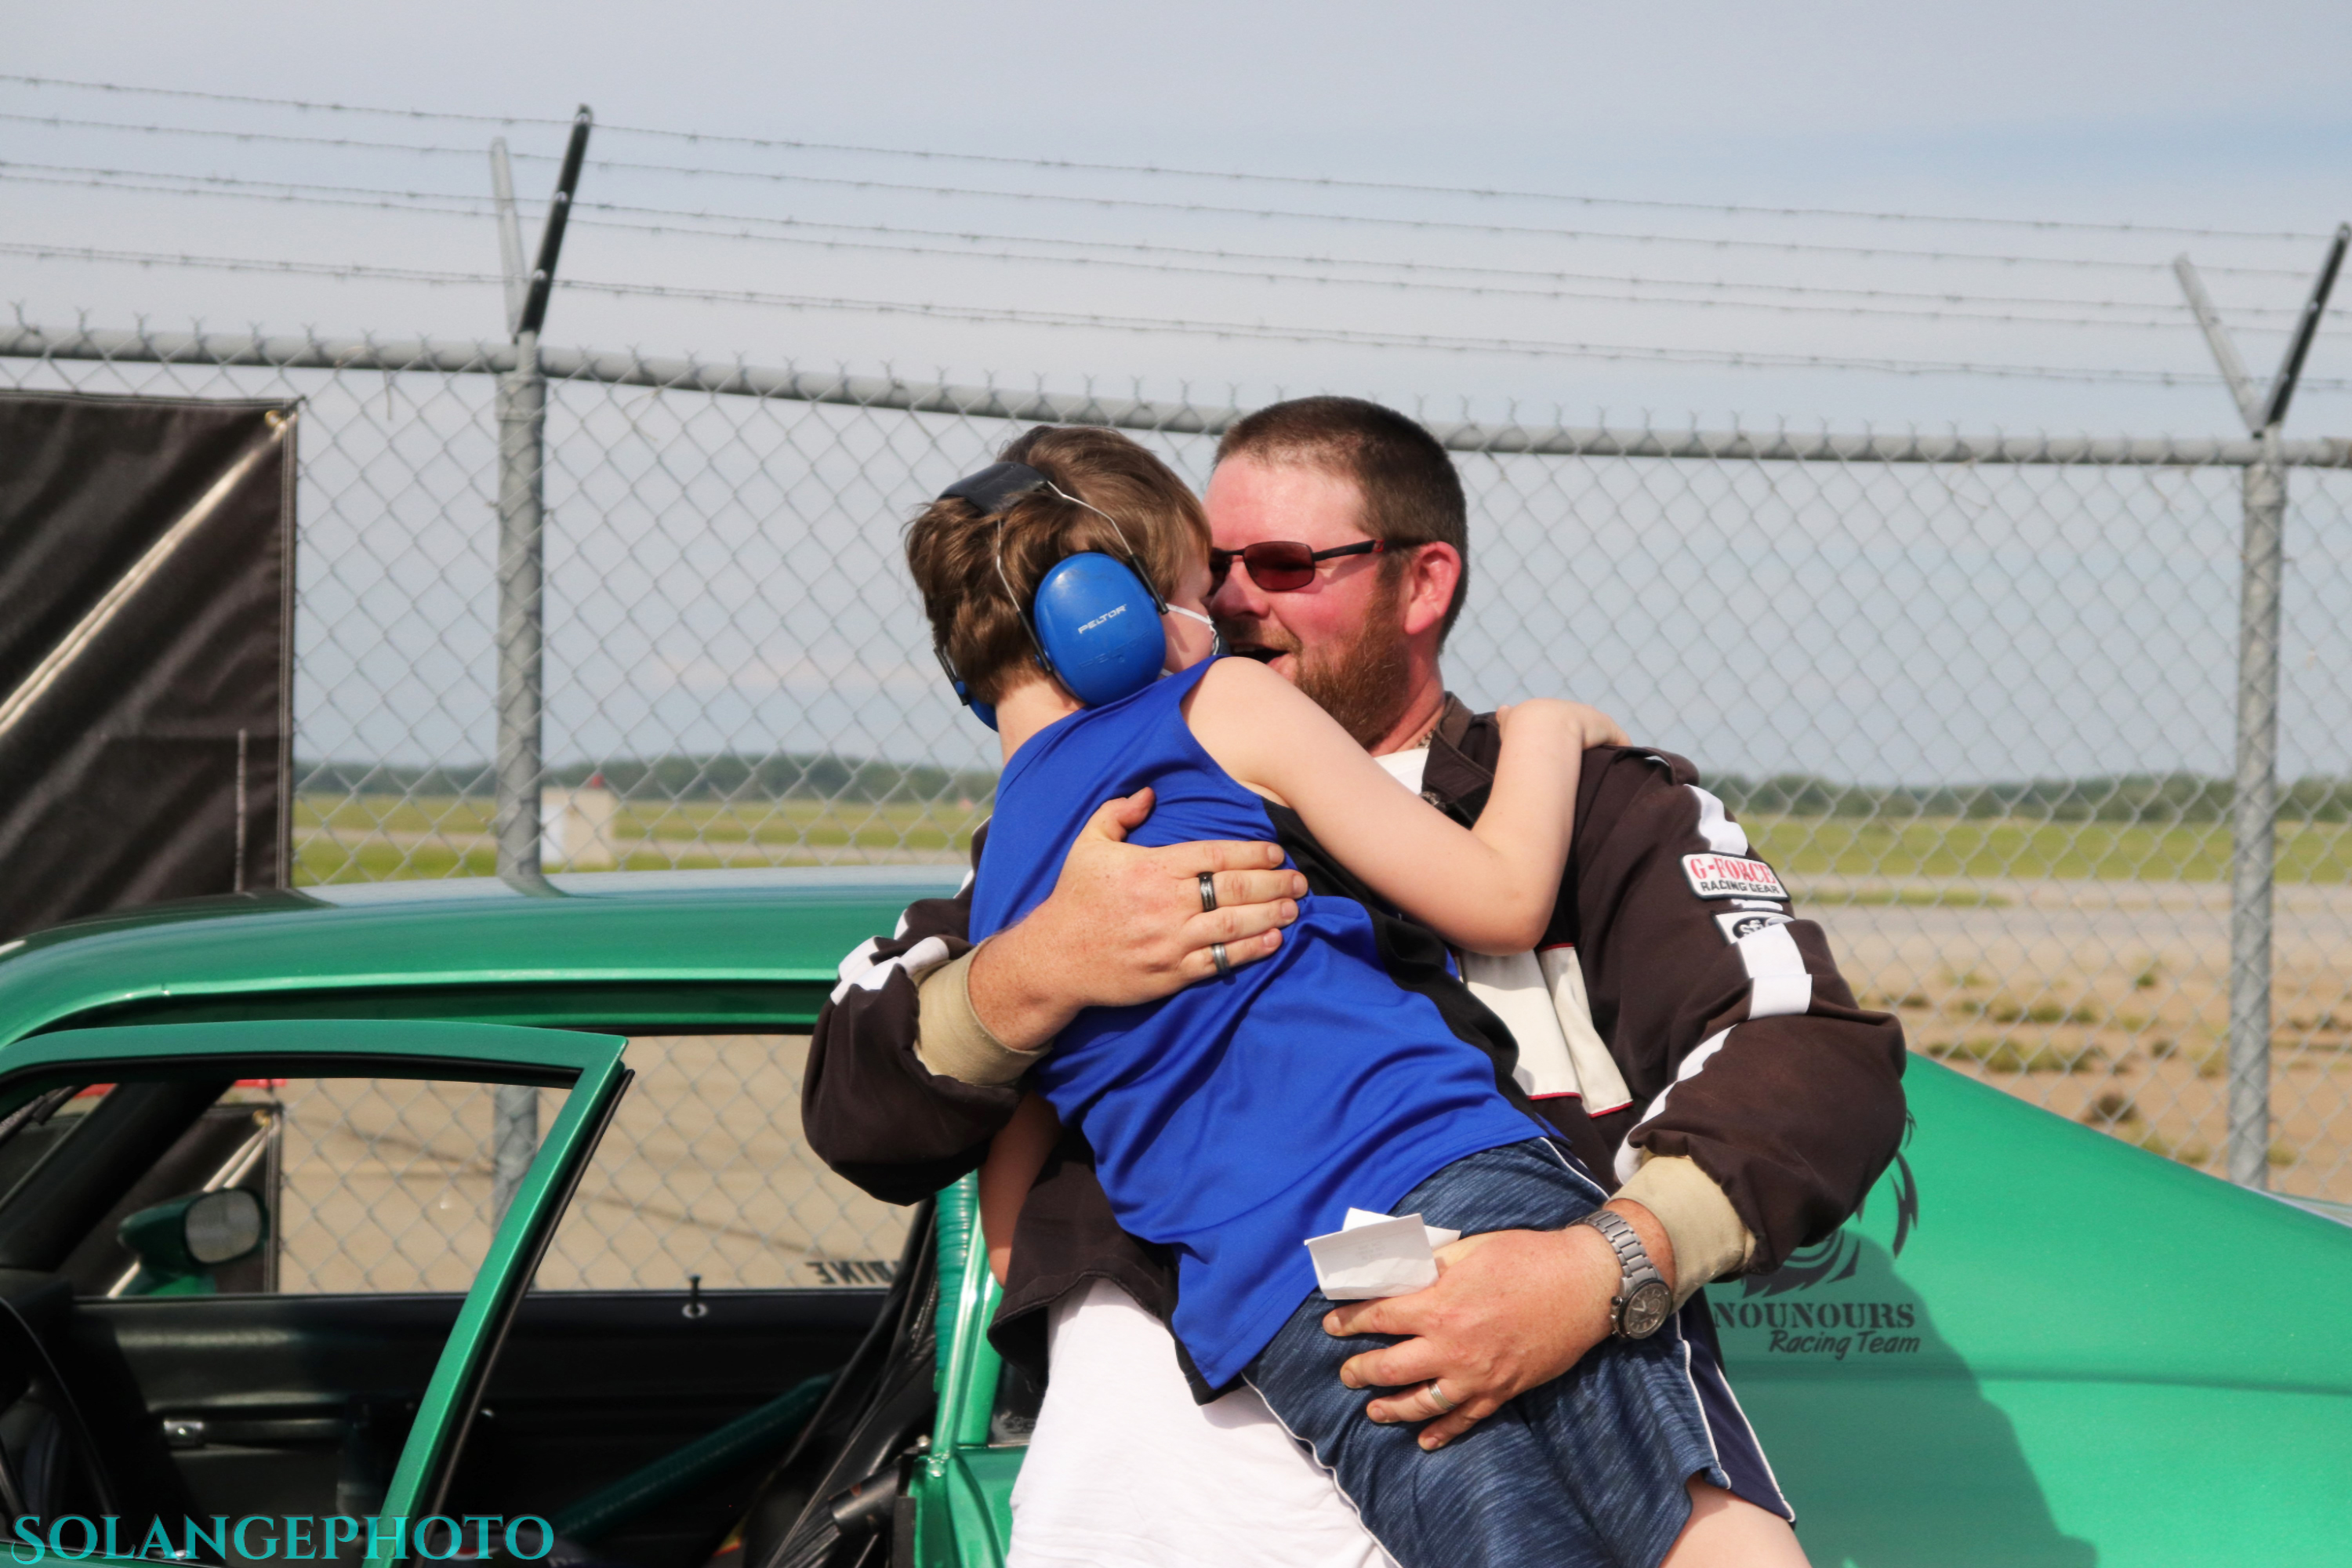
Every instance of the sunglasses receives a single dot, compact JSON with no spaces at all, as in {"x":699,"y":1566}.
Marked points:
{"x":1283,"y":565}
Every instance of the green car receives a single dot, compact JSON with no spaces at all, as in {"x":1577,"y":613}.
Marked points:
{"x":274,"y":1257}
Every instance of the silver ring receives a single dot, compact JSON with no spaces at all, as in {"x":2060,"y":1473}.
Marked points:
{"x":1437,"y":1395}
{"x":1208,"y":892}
{"x":1217,"y":956}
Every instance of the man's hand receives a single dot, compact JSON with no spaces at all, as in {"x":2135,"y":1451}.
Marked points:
{"x":1511,"y":1310}
{"x":1123,"y":925}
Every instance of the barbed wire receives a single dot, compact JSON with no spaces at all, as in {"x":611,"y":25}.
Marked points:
{"x":1786,"y":247}
{"x":476,"y":209}
{"x":1170,"y":171}
{"x":479,"y":205}
{"x":1247,"y":330}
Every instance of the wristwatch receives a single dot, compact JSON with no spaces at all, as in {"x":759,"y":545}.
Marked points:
{"x":1643,"y":1301}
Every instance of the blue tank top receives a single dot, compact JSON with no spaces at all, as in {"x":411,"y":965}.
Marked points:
{"x":1237,"y":1118}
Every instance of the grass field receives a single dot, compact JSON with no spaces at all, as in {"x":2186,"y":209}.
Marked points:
{"x":381,"y":837}
{"x":339,"y":838}
{"x":2002,"y":848}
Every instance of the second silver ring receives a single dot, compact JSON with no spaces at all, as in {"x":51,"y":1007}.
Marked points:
{"x":1217,"y":956}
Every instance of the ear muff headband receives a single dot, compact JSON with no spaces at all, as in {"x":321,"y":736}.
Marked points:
{"x":992,"y":485}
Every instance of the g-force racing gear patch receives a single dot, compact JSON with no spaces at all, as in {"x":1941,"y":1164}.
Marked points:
{"x":1732,"y":876}
{"x":1747,"y":922}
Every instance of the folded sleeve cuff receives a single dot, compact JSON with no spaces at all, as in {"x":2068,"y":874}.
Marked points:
{"x":1710,"y":1242}
{"x":952,"y":1042}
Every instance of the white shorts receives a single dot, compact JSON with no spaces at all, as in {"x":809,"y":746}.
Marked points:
{"x":1124,"y":1472}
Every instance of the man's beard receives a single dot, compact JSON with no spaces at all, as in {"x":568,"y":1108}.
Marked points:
{"x":1363,"y":683}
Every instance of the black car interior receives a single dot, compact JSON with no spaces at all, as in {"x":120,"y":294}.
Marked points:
{"x":656,"y":1428}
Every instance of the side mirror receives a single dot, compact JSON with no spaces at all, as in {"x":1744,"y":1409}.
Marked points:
{"x":179,"y":1242}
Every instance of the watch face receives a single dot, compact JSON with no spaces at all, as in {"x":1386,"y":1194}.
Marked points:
{"x":1646,"y":1310}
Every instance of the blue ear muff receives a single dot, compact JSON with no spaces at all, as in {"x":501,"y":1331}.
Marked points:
{"x":983,"y":712}
{"x":1098,"y":627}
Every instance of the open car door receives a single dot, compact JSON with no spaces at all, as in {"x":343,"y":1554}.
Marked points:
{"x":332,"y":1403}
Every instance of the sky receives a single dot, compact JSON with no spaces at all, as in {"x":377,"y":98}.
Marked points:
{"x":1833,"y":215}
{"x":2150,"y":114}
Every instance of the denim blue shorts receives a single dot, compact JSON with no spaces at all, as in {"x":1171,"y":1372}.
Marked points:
{"x":1588,"y":1470}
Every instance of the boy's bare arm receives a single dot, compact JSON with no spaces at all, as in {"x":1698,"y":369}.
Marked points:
{"x":1490,"y":889}
{"x":1014,"y":1157}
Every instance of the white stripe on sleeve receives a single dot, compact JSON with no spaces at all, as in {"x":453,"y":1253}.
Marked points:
{"x":860,"y":970}
{"x":860,"y":960}
{"x":1778,"y":986}
{"x":1722,"y":836}
{"x":1629,"y":1158}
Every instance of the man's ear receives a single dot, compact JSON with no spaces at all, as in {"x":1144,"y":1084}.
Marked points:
{"x":1432,"y":574}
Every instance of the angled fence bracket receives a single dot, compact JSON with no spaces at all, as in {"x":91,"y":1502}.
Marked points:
{"x":2253,"y":848}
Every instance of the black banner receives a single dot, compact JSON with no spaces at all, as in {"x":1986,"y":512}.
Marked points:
{"x":146,"y":651}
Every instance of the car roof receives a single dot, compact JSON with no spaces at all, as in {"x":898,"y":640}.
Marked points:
{"x":682,"y":949}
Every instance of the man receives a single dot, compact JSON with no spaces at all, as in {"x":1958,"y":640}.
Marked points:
{"x":1707,"y":1056}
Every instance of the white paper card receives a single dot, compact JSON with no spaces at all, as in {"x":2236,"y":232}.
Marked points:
{"x":1372,"y":1254}
{"x":1438,"y":1235}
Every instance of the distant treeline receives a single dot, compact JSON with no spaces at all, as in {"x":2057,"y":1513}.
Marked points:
{"x":724,"y":775}
{"x":2155,"y":799}
{"x":2150,"y":798}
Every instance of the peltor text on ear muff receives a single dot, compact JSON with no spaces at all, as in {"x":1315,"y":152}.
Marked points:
{"x":1098,"y":627}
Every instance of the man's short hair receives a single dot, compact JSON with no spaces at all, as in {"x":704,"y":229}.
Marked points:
{"x":978,"y":571}
{"x":1412,"y":493}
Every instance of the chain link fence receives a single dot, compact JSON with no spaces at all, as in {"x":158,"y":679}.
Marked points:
{"x":1975,"y":698}
{"x":387,"y":1183}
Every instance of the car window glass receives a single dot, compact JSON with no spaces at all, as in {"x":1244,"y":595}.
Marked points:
{"x":706,"y":1172}
{"x":391,"y":1185}
{"x":31,"y":1131}
{"x":367,"y":1186}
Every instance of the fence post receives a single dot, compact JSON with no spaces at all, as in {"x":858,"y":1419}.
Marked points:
{"x":522,"y":583}
{"x":2254,"y":816}
{"x":522,"y":435}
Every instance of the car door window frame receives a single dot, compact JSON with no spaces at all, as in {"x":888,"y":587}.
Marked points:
{"x":589,"y":1066}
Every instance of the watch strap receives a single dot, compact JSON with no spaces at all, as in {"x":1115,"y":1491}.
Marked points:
{"x":1633,"y":1263}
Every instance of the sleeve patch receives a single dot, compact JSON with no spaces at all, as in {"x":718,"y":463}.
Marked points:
{"x":1748,"y":922}
{"x":1731,"y":877}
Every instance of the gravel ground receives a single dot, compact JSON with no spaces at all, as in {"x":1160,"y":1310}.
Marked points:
{"x":2108,"y":1001}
